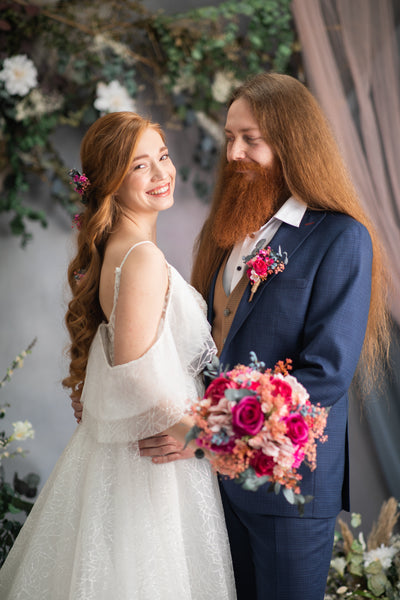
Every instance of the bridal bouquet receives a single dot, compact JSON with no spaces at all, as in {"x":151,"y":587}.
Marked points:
{"x":260,"y":426}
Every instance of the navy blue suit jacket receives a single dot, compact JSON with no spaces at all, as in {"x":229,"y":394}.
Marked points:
{"x":314,"y":312}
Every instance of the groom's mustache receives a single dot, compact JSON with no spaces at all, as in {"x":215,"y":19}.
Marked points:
{"x":240,"y":167}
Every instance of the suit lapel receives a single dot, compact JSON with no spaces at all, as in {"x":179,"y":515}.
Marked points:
{"x":289,"y":239}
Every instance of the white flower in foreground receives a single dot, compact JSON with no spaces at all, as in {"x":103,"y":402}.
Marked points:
{"x":19,"y":75}
{"x":22,"y":431}
{"x":113,"y":97}
{"x":339,"y":564}
{"x":384,"y":554}
{"x":223,"y":84}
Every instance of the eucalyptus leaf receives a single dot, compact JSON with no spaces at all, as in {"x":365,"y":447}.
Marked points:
{"x":289,"y":495}
{"x":234,"y":395}
{"x":355,"y":569}
{"x":13,"y":509}
{"x":377,"y":584}
{"x":192,"y":434}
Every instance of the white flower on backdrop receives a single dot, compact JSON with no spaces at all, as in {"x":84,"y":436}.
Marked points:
{"x":19,"y":75}
{"x":22,"y":431}
{"x":113,"y":97}
{"x":36,"y":104}
{"x":222,"y":86}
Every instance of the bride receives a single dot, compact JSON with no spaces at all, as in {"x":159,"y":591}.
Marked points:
{"x":109,"y":523}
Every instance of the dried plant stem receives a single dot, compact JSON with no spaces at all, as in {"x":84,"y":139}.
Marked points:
{"x":382,"y":531}
{"x":347,"y":536}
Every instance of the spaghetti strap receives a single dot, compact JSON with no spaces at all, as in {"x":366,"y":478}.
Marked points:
{"x":132,"y":248}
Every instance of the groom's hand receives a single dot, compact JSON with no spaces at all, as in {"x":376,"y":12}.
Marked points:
{"x":163,"y":449}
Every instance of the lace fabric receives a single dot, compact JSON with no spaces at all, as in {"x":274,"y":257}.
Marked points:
{"x":109,"y":523}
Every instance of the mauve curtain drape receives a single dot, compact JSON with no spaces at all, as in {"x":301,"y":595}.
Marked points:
{"x":351,"y":57}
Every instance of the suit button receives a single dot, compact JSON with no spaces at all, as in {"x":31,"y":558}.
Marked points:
{"x":227,"y":312}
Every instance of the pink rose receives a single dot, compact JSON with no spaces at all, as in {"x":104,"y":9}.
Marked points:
{"x":262,"y":464}
{"x":247,"y":416}
{"x":260,"y":267}
{"x":220,"y":417}
{"x":297,"y":429}
{"x":223,"y":448}
{"x":281,"y":387}
{"x":298,"y":458}
{"x":216,"y":389}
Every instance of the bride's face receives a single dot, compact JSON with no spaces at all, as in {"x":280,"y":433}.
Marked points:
{"x":150,"y":182}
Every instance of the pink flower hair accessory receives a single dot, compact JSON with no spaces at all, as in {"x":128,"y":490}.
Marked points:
{"x":76,"y":221}
{"x":81,"y":183}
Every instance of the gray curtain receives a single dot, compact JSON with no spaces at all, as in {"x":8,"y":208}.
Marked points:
{"x":382,"y":411}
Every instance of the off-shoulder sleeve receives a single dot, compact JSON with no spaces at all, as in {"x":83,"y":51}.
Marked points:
{"x":125,"y":403}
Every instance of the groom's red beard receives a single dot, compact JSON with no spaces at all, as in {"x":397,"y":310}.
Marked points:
{"x":251,"y":195}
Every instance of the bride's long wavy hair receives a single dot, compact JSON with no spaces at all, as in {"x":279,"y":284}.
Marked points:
{"x":107,"y":151}
{"x":293,"y":124}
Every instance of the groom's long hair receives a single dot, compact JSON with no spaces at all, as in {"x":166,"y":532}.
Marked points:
{"x":293,"y":125}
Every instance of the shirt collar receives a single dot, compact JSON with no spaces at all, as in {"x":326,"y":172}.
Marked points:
{"x":291,"y":212}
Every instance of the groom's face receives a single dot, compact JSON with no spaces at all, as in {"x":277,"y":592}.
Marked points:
{"x":243,"y":136}
{"x":253,"y":186}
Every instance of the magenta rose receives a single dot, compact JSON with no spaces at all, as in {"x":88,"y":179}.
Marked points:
{"x":247,"y":416}
{"x":297,"y":429}
{"x":281,"y":387}
{"x":260,"y":267}
{"x":223,"y":448}
{"x":298,"y":458}
{"x":262,"y":464}
{"x":216,"y":389}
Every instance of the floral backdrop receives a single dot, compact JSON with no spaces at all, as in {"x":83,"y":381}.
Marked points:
{"x":66,"y":63}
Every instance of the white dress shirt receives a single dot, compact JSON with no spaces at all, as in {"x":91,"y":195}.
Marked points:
{"x":291,"y":212}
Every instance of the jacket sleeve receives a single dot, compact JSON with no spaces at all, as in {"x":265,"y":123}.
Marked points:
{"x":337,"y":316}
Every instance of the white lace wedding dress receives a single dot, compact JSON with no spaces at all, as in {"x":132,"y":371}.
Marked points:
{"x":110,"y":524}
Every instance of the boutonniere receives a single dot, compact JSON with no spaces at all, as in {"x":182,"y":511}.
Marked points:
{"x":262,"y":263}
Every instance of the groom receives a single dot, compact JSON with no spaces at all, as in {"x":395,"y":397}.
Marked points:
{"x":283,"y":182}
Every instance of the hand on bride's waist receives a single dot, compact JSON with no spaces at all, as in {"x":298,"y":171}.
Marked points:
{"x":164,"y":448}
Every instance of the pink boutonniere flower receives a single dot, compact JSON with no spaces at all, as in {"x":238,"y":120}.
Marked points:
{"x":263,"y":262}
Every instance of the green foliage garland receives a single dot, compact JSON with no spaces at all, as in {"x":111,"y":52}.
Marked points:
{"x":188,"y":63}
